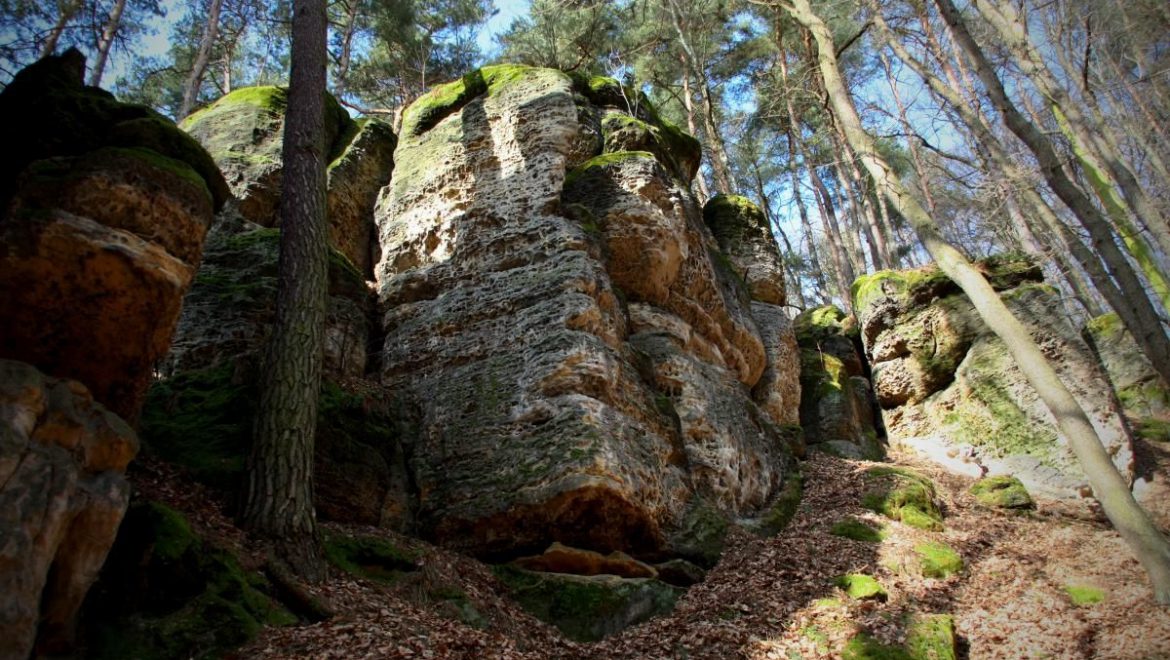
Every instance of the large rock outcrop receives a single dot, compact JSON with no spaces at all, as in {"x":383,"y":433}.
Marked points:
{"x":837,"y":408}
{"x":578,"y":348}
{"x":244,"y":131}
{"x":103,"y":211}
{"x":62,"y":463}
{"x":948,"y":387}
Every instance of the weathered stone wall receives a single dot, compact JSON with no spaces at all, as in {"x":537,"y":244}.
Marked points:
{"x":948,"y":387}
{"x":578,"y":348}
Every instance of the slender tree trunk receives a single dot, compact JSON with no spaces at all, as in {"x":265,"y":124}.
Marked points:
{"x":106,"y":42}
{"x":1110,"y":489}
{"x":202,"y":58}
{"x":720,"y":163}
{"x":704,"y":192}
{"x":66,"y":12}
{"x":802,"y":210}
{"x":341,"y":79}
{"x":278,"y":502}
{"x":859,"y":188}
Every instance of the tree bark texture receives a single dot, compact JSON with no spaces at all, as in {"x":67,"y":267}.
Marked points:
{"x":279,"y":498}
{"x":202,"y":58}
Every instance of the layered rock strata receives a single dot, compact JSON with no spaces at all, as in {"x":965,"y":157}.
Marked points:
{"x":579,"y":350}
{"x":948,"y":387}
{"x":103,"y":214}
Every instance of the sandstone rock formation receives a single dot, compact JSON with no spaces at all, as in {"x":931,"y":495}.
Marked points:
{"x":62,"y":463}
{"x":837,"y":408}
{"x":103,"y":211}
{"x":244,"y":130}
{"x":578,"y":348}
{"x":229,"y":311}
{"x":948,"y":387}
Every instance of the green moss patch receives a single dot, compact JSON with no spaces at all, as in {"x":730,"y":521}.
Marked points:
{"x":701,"y":533}
{"x":783,"y":508}
{"x":369,"y":557}
{"x":987,"y":416}
{"x":852,"y":528}
{"x":938,"y":560}
{"x":907,"y":496}
{"x":861,"y":587}
{"x":587,"y":609}
{"x":603,"y":161}
{"x":920,"y":285}
{"x":1083,"y":595}
{"x":932,"y":637}
{"x":866,"y":647}
{"x":165,"y":593}
{"x":1002,"y":492}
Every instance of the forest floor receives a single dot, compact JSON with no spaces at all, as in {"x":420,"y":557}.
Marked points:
{"x":768,"y":597}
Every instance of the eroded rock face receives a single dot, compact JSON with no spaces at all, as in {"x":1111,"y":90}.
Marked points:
{"x":62,"y":463}
{"x":837,"y":407}
{"x":244,"y":130}
{"x":104,"y":210}
{"x":948,"y":387}
{"x":578,"y":350}
{"x":229,"y":311}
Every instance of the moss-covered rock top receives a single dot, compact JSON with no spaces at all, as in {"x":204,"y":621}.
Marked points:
{"x":813,"y":326}
{"x":51,"y":112}
{"x":1002,"y":492}
{"x":732,"y":215}
{"x":921,"y":285}
{"x":904,"y":495}
{"x":446,"y":99}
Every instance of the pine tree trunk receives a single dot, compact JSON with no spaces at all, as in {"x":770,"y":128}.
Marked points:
{"x":1110,"y":489}
{"x":202,"y":59}
{"x":106,"y":42}
{"x":279,"y":500}
{"x":66,"y":13}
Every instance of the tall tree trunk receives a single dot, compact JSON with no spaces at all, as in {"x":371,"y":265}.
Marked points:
{"x":1110,"y":489}
{"x":802,"y":210}
{"x":688,"y":103}
{"x":202,"y":58}
{"x":278,"y":502}
{"x":65,"y":13}
{"x":1133,"y":307}
{"x":106,"y":42}
{"x":341,"y":79}
{"x":859,"y":189}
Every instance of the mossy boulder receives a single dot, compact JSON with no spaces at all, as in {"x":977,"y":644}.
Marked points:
{"x":937,"y":559}
{"x":165,"y":593}
{"x":952,"y":391}
{"x":370,"y":557}
{"x":864,"y":646}
{"x":852,"y":528}
{"x":1084,"y":595}
{"x":932,"y":637}
{"x":54,"y":114}
{"x":588,"y":608}
{"x":701,"y":533}
{"x":202,"y":420}
{"x":904,"y":495}
{"x":861,"y":587}
{"x":1002,"y":492}
{"x":1144,"y":397}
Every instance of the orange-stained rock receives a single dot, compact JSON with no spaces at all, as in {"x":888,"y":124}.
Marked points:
{"x":103,"y":210}
{"x":560,"y":558}
{"x":62,"y":496}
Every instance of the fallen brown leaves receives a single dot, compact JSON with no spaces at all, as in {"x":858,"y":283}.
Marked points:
{"x":767,"y":598}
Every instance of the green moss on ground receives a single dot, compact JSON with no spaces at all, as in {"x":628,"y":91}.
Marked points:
{"x":369,"y":557}
{"x":907,"y":496}
{"x":586,"y":609}
{"x":861,"y":587}
{"x":932,"y":637}
{"x":938,"y":560}
{"x":1083,"y":595}
{"x":852,"y":528}
{"x":783,"y":508}
{"x":865,"y":647}
{"x":165,"y":593}
{"x":1002,"y":492}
